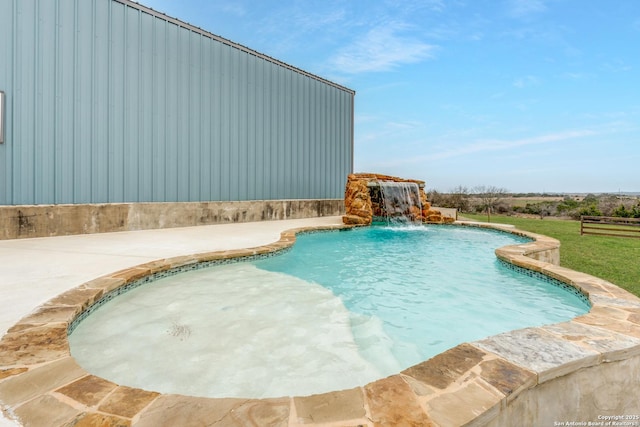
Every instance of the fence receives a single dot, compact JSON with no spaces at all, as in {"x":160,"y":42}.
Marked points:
{"x":610,"y":226}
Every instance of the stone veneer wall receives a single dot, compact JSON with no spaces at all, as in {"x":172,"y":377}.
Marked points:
{"x":17,"y":222}
{"x":360,"y":208}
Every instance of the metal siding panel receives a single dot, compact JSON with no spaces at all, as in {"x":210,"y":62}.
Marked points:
{"x":251,"y":126}
{"x":298,"y":137}
{"x":100,"y":97}
{"x":315,"y":130}
{"x":44,"y":155}
{"x":195,"y":111}
{"x":117,"y":97}
{"x":260,"y":134}
{"x":182,"y":138}
{"x":343,"y":170}
{"x":302,"y":137}
{"x":234,"y":124}
{"x":158,"y":119}
{"x":246,"y":83}
{"x":272,"y":144}
{"x":225,"y":136}
{"x":6,"y":78}
{"x":279,"y":158}
{"x":65,"y":77}
{"x":131,"y":105}
{"x":330,"y":150}
{"x":141,"y":109}
{"x":295,"y":144}
{"x":83,"y":103}
{"x":295,"y":140}
{"x":265,"y":137}
{"x":322,"y":154}
{"x":322,"y":143}
{"x":216,"y":124}
{"x":282,"y":132}
{"x":145,"y":114}
{"x":307,"y":138}
{"x":310,"y":138}
{"x":343,"y":153}
{"x":243,"y":125}
{"x":205,"y":119}
{"x":287,"y":168}
{"x":335,"y":158}
{"x":24,"y":102}
{"x":171,"y":117}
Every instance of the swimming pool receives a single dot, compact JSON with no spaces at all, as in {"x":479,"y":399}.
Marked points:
{"x":338,"y":310}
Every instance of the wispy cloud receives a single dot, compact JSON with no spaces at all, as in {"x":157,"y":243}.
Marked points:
{"x":382,"y":48}
{"x":577,"y":76}
{"x":526,"y":81}
{"x":493,"y":145}
{"x":413,"y":6}
{"x":525,"y":8}
{"x":499,"y":145}
{"x":617,"y":66}
{"x":320,"y":20}
{"x":234,"y":9}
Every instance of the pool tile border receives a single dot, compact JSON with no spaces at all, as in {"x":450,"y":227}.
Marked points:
{"x":469,"y":384}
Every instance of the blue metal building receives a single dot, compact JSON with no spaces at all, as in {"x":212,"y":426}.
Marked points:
{"x":108,"y":101}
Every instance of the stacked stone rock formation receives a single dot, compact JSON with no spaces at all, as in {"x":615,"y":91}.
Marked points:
{"x":359,"y":207}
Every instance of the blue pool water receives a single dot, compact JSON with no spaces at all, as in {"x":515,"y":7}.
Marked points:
{"x":339,"y":310}
{"x":431,"y":287}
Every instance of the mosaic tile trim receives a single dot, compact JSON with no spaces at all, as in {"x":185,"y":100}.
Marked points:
{"x":517,"y":234}
{"x":167,"y":273}
{"x":555,"y":282}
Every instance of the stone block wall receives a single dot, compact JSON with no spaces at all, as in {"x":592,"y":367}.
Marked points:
{"x":26,"y":221}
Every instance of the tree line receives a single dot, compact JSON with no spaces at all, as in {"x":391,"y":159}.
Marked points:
{"x":490,"y":199}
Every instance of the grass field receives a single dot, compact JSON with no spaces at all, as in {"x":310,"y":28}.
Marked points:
{"x":615,"y":259}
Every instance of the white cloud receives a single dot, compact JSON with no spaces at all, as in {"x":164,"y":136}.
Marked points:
{"x":524,"y":8}
{"x":577,"y":76}
{"x":485,"y":146}
{"x":234,"y":9}
{"x":496,"y":145}
{"x":413,"y":6}
{"x":381,"y":49}
{"x":526,"y":81}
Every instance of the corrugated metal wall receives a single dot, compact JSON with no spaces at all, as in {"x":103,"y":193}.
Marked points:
{"x":110,"y":102}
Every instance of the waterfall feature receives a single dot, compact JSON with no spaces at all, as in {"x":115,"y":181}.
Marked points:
{"x":397,"y":201}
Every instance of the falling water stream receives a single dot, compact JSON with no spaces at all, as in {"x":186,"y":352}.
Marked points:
{"x":400,"y":201}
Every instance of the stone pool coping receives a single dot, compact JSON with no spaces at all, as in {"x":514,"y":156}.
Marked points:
{"x":470,"y":384}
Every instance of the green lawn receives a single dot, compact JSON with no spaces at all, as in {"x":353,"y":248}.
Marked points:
{"x":615,"y":259}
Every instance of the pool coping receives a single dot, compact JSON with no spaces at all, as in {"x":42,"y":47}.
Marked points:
{"x":41,"y":384}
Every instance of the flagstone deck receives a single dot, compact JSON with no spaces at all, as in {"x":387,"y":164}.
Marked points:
{"x":575,"y":370}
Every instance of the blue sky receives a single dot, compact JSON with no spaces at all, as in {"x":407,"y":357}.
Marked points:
{"x":527,"y":95}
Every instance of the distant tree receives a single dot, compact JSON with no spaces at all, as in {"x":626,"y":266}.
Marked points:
{"x":567,"y":204}
{"x":622,"y":211}
{"x":590,"y":210}
{"x":435,"y":198}
{"x":459,"y":198}
{"x":546,"y":209}
{"x":489,"y":198}
{"x":607,"y":204}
